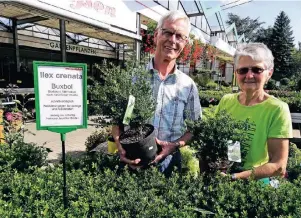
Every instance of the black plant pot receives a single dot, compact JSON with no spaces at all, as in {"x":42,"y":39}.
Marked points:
{"x":145,"y":149}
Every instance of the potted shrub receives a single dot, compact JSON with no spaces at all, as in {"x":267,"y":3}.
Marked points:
{"x":112,"y":99}
{"x":212,"y":135}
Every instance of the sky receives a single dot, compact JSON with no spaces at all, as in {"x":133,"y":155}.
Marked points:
{"x":267,"y":11}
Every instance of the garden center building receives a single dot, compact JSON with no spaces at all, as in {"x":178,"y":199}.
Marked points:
{"x":90,"y":31}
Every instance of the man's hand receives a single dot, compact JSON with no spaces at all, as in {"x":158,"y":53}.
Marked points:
{"x":116,"y":133}
{"x":167,"y":148}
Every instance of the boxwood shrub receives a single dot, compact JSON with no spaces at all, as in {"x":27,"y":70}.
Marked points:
{"x":109,"y":192}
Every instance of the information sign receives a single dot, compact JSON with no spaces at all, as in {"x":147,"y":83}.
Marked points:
{"x":61,"y":96}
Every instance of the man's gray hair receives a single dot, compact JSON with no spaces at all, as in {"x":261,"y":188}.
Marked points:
{"x":256,"y":51}
{"x":173,"y":16}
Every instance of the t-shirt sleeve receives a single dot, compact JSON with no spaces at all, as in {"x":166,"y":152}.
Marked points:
{"x":220,"y":105}
{"x":281,"y":124}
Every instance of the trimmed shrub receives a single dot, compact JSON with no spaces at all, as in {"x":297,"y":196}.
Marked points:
{"x":294,"y":162}
{"x":22,"y":156}
{"x":210,"y":97}
{"x":271,"y":85}
{"x":212,"y":85}
{"x":143,"y":194}
{"x":284,"y":81}
{"x":202,"y":79}
{"x":211,"y":137}
{"x":97,"y":137}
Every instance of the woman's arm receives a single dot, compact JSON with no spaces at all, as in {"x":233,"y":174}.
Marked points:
{"x":278,"y":155}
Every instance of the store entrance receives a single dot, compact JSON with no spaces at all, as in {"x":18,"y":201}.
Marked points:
{"x":8,"y":72}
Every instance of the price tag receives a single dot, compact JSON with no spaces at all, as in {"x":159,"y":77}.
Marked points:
{"x":234,"y":151}
{"x":129,"y":110}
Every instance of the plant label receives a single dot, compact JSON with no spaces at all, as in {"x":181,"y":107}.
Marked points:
{"x":129,"y":110}
{"x":60,"y":95}
{"x":234,"y":153}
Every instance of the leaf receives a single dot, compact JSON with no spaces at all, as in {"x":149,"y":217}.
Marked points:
{"x":203,"y":211}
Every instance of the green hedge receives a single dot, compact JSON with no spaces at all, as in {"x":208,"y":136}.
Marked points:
{"x":293,"y":99}
{"x":106,"y":192}
{"x":210,"y":97}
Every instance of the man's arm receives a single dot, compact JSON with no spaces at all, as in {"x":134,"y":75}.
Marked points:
{"x":278,"y":154}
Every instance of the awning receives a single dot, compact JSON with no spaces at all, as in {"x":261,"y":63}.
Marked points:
{"x":32,"y":11}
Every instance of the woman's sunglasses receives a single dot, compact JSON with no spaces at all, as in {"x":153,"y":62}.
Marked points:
{"x":245,"y":70}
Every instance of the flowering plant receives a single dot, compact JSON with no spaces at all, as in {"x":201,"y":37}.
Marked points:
{"x":13,"y":116}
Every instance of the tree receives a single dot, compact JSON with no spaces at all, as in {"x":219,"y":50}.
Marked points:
{"x":281,"y":44}
{"x":264,"y":35}
{"x":246,"y":26}
{"x":296,"y":55}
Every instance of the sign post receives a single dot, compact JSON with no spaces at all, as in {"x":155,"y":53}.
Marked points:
{"x":61,"y":101}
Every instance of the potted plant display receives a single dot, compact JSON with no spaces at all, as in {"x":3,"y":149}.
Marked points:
{"x":220,"y":141}
{"x":124,"y":98}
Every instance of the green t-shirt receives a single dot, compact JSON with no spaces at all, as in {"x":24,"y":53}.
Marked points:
{"x":269,"y":119}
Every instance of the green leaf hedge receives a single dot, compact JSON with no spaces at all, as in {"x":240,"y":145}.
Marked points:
{"x":101,"y":191}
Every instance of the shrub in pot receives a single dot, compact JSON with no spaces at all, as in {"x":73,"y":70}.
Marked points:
{"x":112,"y":97}
{"x":211,"y":137}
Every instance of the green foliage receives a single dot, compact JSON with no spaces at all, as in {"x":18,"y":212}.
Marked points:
{"x":299,"y":85}
{"x":212,"y":85}
{"x":271,"y":85}
{"x":282,"y":45}
{"x":93,"y":162}
{"x":97,"y":137}
{"x":293,"y":99}
{"x":246,"y":26}
{"x":212,"y":133}
{"x":263,"y":35}
{"x":22,"y":156}
{"x":112,"y":96}
{"x":211,"y":97}
{"x":202,"y":78}
{"x":190,"y":162}
{"x":296,"y":55}
{"x":294,"y":162}
{"x":144,"y":194}
{"x":284,"y":81}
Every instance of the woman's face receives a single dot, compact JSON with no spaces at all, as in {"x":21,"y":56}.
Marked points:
{"x":252,"y":75}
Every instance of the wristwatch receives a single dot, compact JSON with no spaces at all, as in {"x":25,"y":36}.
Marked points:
{"x":233,"y":177}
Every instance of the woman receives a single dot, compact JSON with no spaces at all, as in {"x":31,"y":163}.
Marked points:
{"x":270,"y":118}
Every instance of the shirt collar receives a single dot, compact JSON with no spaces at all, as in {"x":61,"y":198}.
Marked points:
{"x":150,"y":67}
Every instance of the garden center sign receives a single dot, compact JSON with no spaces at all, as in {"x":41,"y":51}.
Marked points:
{"x":61,"y":96}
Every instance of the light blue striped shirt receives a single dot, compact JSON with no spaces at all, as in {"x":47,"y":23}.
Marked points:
{"x":177,"y":99}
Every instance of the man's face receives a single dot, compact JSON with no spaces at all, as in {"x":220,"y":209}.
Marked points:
{"x":171,"y":39}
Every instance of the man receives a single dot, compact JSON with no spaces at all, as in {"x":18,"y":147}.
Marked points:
{"x":176,"y":93}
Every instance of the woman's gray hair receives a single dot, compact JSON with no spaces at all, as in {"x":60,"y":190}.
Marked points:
{"x":256,"y":51}
{"x":173,"y":16}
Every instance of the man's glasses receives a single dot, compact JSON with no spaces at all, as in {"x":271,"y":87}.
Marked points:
{"x":245,"y":70}
{"x":168,"y":33}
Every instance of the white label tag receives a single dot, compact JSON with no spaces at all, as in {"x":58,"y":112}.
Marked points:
{"x":129,"y":110}
{"x":234,"y":151}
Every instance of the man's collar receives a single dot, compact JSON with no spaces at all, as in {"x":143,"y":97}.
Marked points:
{"x":151,"y":64}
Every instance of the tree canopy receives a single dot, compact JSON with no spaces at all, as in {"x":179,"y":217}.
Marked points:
{"x":246,"y":26}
